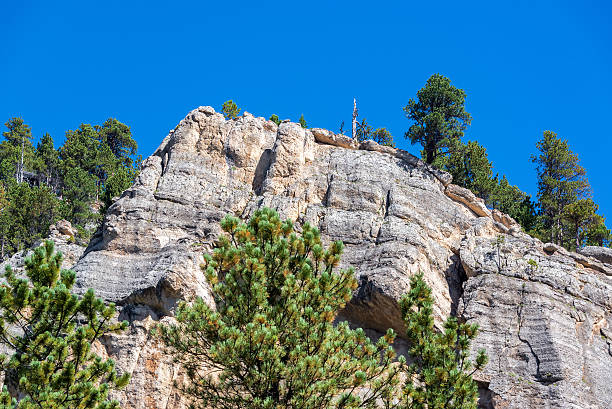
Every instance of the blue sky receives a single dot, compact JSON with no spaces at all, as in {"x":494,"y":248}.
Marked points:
{"x":527,"y":66}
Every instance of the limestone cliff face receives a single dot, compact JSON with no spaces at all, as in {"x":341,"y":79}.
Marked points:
{"x":545,"y":328}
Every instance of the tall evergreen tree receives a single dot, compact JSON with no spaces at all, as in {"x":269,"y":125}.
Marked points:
{"x":17,"y":150}
{"x":271,"y":342}
{"x":80,"y":150}
{"x":78,"y":195}
{"x":47,"y":160}
{"x":440,"y":376}
{"x":561,"y":182}
{"x":5,"y":221}
{"x":50,"y":332}
{"x":438,"y":115}
{"x":119,"y":180}
{"x":119,"y":139}
{"x":469,"y":166}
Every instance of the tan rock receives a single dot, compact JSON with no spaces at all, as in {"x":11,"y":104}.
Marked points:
{"x":465,"y":196}
{"x":543,"y":319}
{"x":329,"y":138}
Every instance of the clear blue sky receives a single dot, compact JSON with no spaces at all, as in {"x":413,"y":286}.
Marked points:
{"x":527,"y":66}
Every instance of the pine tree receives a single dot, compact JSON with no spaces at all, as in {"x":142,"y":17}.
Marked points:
{"x":18,"y":148}
{"x":302,"y":122}
{"x":561,"y":181}
{"x":274,"y":118}
{"x":271,"y":342}
{"x":118,"y":137}
{"x":364,"y":131}
{"x":230,"y":109}
{"x":47,"y":160}
{"x":381,"y":135}
{"x":80,"y":150}
{"x":78,"y":194}
{"x":29,"y":212}
{"x":469,"y":166}
{"x":117,"y":182}
{"x":580,"y":215}
{"x":597,"y":233}
{"x":440,"y":376}
{"x":50,"y":332}
{"x":438,"y":115}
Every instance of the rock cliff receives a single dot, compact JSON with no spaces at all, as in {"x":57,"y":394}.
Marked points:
{"x":544,"y":313}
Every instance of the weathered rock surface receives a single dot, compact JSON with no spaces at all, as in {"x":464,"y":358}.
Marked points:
{"x":603,"y":254}
{"x":545,"y":325}
{"x":546,"y":329}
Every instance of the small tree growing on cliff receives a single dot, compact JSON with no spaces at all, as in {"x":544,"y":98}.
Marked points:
{"x":230,"y":109}
{"x":440,"y":376}
{"x":271,"y":342}
{"x":50,"y":332}
{"x":274,"y":118}
{"x":302,"y":122}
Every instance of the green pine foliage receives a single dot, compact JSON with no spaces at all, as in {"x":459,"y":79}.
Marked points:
{"x":230,"y":109}
{"x":118,"y":137}
{"x":271,"y":342}
{"x":597,"y":233}
{"x":440,"y":376}
{"x":26,"y":214}
{"x":47,"y":161}
{"x":302,"y":122}
{"x":561,"y":182}
{"x":16,"y":149}
{"x":469,"y":166}
{"x":380,"y":135}
{"x":580,"y":216}
{"x":438,"y":116}
{"x":50,"y":331}
{"x":76,"y":181}
{"x":274,"y":118}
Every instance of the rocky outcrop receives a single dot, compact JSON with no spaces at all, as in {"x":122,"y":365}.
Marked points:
{"x":545,"y":323}
{"x":603,"y":254}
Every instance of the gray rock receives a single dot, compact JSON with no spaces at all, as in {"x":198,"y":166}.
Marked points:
{"x":603,"y":254}
{"x":546,"y":328}
{"x":544,"y":325}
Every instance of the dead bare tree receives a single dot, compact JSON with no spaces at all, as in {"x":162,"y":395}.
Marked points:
{"x":354,"y":118}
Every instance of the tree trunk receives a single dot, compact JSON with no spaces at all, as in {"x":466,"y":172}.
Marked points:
{"x":21,"y":164}
{"x":354,"y":118}
{"x":577,"y":237}
{"x":430,"y":156}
